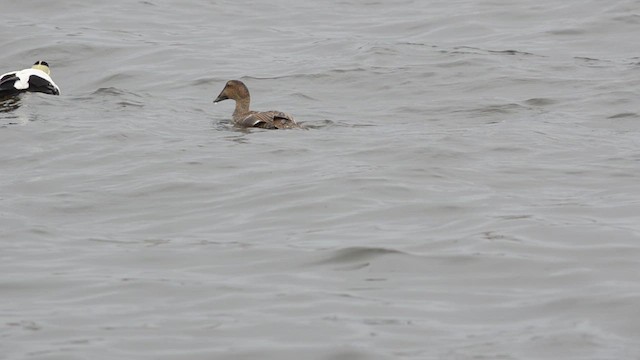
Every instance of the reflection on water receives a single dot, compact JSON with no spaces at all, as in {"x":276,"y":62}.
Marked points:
{"x":9,"y":104}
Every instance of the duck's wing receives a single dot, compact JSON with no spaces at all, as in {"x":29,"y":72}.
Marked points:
{"x":269,"y":120}
{"x":283,"y":120}
{"x":38,"y":83}
{"x":5,"y":76}
{"x":256,"y":119}
{"x":7,"y":82}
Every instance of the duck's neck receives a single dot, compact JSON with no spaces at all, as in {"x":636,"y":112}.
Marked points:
{"x":242,"y":106}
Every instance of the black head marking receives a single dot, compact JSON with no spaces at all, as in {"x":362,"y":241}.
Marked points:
{"x":40,"y":62}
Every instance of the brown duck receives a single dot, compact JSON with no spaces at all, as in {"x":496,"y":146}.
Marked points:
{"x":242,"y":116}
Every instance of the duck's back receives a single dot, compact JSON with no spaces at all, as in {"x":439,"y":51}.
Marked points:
{"x":268,"y":120}
{"x":33,"y":80}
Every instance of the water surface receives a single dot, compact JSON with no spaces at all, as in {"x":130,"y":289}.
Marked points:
{"x":468,"y":187}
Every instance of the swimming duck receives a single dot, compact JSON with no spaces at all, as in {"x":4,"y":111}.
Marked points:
{"x":242,"y":116}
{"x":34,"y":79}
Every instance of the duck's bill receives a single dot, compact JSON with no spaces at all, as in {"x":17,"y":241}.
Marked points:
{"x":220,"y":98}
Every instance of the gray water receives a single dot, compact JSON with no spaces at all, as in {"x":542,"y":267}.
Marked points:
{"x":468,"y":186}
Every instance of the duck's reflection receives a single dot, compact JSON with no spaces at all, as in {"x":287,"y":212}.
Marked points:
{"x":8,"y":113}
{"x":9,"y":103}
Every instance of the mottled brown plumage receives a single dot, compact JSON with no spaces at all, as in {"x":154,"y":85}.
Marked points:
{"x":242,"y":116}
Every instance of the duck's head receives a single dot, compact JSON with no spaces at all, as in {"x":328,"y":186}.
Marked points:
{"x":235,"y":90}
{"x":42,"y":66}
